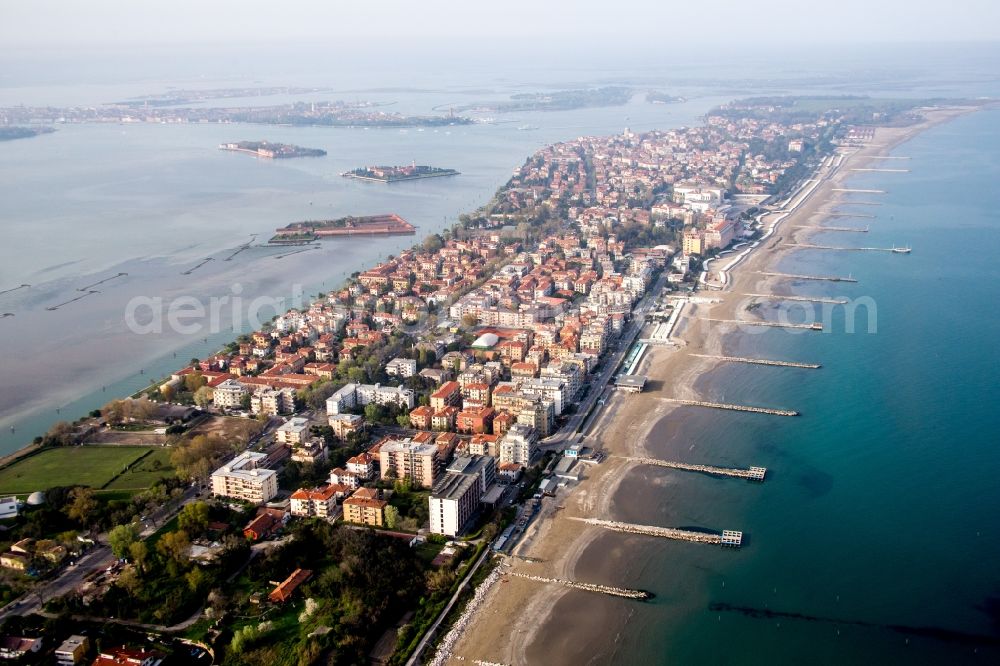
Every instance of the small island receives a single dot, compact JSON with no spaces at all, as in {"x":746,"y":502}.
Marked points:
{"x":9,"y":133}
{"x":393,"y":174}
{"x":559,"y":100}
{"x":661,"y":97}
{"x":370,"y":225}
{"x":271,"y":150}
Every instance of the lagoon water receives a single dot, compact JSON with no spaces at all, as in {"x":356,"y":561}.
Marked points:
{"x":873,"y":540}
{"x":154,"y":201}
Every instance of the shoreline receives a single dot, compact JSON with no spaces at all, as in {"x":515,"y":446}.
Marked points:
{"x":514,"y":616}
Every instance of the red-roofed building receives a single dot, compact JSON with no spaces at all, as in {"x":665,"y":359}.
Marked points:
{"x":420,"y":417}
{"x":286,"y":588}
{"x":364,"y":508}
{"x":320,"y":502}
{"x":124,"y":656}
{"x":444,"y":418}
{"x":502,"y":422}
{"x":475,"y":420}
{"x":450,"y":393}
{"x":261,"y":526}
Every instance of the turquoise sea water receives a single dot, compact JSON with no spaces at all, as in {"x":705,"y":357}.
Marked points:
{"x":874,"y":538}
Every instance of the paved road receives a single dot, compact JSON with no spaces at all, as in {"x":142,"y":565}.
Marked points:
{"x":596,"y":387}
{"x":415,"y":658}
{"x":72,"y":577}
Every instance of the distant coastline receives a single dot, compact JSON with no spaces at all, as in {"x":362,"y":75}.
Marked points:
{"x":14,"y":132}
{"x":394,"y":174}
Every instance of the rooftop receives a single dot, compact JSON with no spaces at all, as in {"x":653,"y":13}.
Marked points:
{"x":631,"y":381}
{"x":454,"y":485}
{"x":245,"y":466}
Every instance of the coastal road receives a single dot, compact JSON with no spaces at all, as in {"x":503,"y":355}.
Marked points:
{"x":415,"y":658}
{"x":596,"y":388}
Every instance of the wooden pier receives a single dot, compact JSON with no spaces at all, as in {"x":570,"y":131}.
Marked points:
{"x":815,"y":227}
{"x":810,"y":246}
{"x":804,"y":299}
{"x":624,"y":592}
{"x":858,"y":191}
{"x":731,"y":407}
{"x":733,"y":537}
{"x":750,"y":474}
{"x":815,"y":326}
{"x":760,"y":361}
{"x":793,"y":276}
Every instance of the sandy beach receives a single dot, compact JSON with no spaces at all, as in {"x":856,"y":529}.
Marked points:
{"x":523,"y":622}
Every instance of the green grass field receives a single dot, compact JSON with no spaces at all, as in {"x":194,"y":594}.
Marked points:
{"x":91,"y":466}
{"x":146,"y":472}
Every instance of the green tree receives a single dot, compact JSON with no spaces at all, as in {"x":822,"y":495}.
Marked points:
{"x":129,"y":581}
{"x":121,"y":538}
{"x":196,"y":579}
{"x":433,"y":243}
{"x":194,"y":381}
{"x":81,"y":505}
{"x":60,"y":434}
{"x":391,"y":517}
{"x":139,"y":553}
{"x":193,"y":518}
{"x":175,"y":545}
{"x":374,"y":412}
{"x":116,"y":412}
{"x":203,"y":396}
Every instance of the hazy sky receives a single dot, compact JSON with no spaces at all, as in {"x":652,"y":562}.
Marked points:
{"x":45,"y":25}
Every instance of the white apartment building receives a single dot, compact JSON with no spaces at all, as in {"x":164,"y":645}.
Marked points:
{"x":359,"y":395}
{"x":406,"y":459}
{"x":399,"y":396}
{"x":548,"y":388}
{"x":293,"y":431}
{"x":273,"y":401}
{"x":456,"y":496}
{"x":241,"y":478}
{"x":229,"y":394}
{"x":401,"y":367}
{"x":319,"y":502}
{"x":519,"y":445}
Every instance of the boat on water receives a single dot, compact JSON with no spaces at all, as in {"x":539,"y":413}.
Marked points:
{"x":525,"y":128}
{"x":901,"y":250}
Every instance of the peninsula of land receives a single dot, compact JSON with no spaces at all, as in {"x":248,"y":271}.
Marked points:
{"x":272,"y":150}
{"x":324,"y":114}
{"x":507,"y":622}
{"x":11,"y":133}
{"x":395,"y":174}
{"x":487,"y":445}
